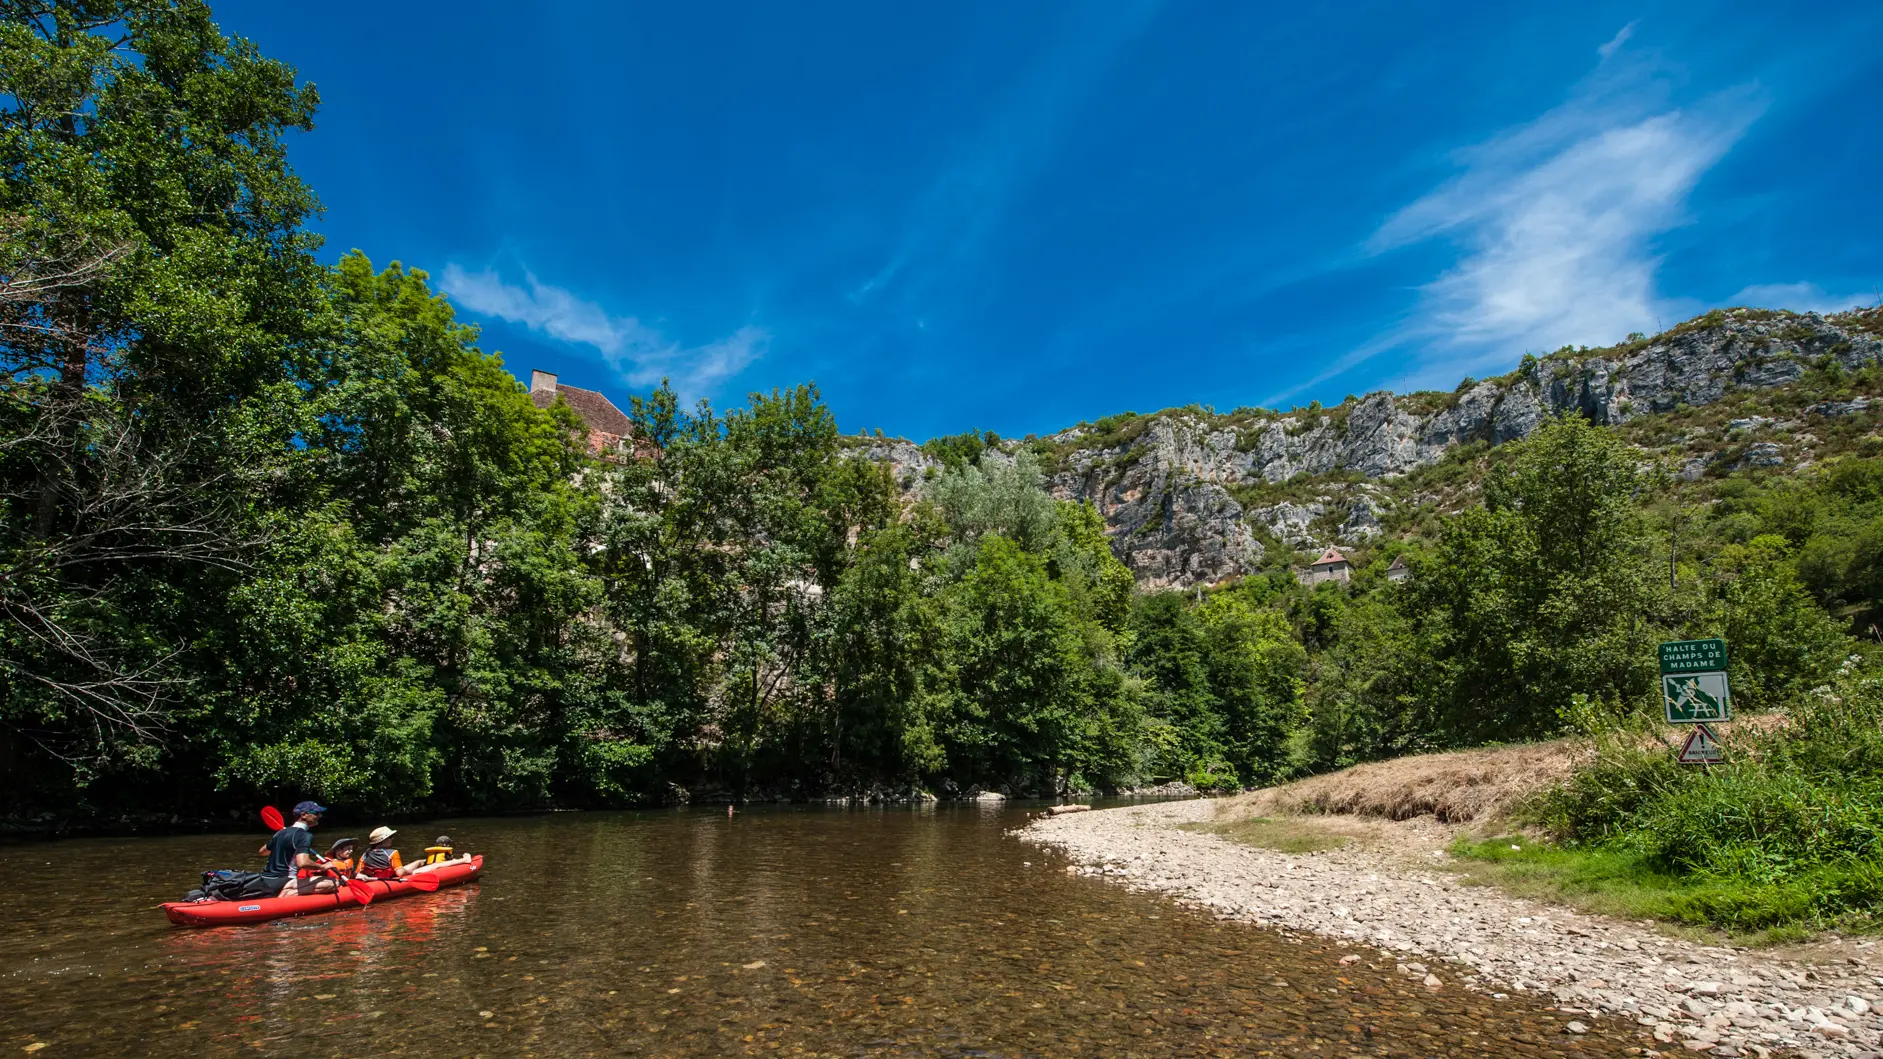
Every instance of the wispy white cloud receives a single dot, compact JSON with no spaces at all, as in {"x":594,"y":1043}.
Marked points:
{"x":1801,"y":298}
{"x":1614,"y":43}
{"x":1555,"y":221}
{"x":640,"y":354}
{"x":941,"y":241}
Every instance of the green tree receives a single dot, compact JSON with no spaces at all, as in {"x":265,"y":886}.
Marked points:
{"x":1256,"y":669}
{"x":885,"y":662}
{"x":156,"y":280}
{"x":421,"y":602}
{"x":1780,"y":643}
{"x":1037,"y":698}
{"x":1544,"y":593}
{"x":1168,"y":651}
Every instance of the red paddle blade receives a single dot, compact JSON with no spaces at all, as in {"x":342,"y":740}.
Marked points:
{"x":362,"y":890}
{"x":423,"y":881}
{"x":271,"y":818}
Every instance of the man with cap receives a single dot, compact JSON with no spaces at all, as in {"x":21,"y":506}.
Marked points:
{"x":291,"y":851}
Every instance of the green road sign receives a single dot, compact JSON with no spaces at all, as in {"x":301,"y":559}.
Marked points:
{"x":1693,"y":698}
{"x":1693,"y":681}
{"x":1693,"y":656}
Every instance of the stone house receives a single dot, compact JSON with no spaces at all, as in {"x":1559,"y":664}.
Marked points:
{"x":1398,"y":571}
{"x":608,"y":426}
{"x":1331,"y":566}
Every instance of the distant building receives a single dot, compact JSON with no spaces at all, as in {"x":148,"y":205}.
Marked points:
{"x":1331,"y":566}
{"x":608,"y":427}
{"x":1399,"y":571}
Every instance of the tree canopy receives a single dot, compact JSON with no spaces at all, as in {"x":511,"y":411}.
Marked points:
{"x":273,"y":525}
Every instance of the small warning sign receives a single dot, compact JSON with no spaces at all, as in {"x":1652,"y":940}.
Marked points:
{"x":1702,"y":747}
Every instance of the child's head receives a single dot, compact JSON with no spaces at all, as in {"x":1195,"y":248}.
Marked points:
{"x":381,"y":836}
{"x":443,"y":841}
{"x":342,"y":849}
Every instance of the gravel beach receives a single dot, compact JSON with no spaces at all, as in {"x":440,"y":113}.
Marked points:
{"x":1692,"y":997}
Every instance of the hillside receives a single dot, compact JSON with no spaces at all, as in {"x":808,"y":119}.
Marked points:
{"x":1194,"y":497}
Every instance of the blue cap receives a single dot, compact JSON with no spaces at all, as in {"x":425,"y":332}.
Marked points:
{"x":309,"y":809}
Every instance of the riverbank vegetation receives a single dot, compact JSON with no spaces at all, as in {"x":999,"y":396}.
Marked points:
{"x":1780,"y":838}
{"x":272,"y":527}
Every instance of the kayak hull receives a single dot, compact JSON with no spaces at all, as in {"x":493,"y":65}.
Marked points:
{"x":235,"y":913}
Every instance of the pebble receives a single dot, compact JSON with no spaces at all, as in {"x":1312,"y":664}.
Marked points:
{"x":1707,"y":998}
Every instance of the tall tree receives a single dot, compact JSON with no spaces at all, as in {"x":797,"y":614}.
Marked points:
{"x":155,"y":279}
{"x":1543,"y":593}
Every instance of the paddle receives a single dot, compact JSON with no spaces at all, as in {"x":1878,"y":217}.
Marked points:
{"x":271,"y":818}
{"x":424,"y":880}
{"x":361,"y":890}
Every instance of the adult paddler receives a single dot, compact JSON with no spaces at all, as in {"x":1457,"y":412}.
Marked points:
{"x":291,"y":850}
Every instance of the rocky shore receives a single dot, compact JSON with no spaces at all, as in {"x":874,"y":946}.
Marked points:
{"x":1715,"y":1000}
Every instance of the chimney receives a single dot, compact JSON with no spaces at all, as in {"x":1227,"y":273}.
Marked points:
{"x":542,"y":381}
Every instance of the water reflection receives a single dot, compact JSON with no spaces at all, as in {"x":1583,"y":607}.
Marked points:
{"x":803,"y":932}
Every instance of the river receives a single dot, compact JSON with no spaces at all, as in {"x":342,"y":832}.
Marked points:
{"x":783,"y":931}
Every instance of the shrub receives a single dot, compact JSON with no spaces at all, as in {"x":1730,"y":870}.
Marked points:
{"x":1805,"y":795}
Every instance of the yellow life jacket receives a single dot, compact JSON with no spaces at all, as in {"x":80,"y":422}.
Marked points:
{"x":439,"y":854}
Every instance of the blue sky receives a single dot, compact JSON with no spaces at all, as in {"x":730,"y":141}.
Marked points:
{"x":1017,"y":216}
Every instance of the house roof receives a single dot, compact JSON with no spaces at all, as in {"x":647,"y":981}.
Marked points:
{"x":1398,"y":563}
{"x":596,"y":410}
{"x":1329,"y":558}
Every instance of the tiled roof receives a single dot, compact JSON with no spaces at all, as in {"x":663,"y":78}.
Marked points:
{"x":597,"y":411}
{"x":1329,"y":557}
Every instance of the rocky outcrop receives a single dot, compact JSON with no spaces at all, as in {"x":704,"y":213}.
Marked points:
{"x":1363,"y":520}
{"x":1168,"y":493}
{"x":1290,"y":523}
{"x":906,"y":459}
{"x":1164,"y":499}
{"x":1695,"y":364}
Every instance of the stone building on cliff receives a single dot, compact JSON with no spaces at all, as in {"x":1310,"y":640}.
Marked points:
{"x":1331,"y":566}
{"x":608,"y":427}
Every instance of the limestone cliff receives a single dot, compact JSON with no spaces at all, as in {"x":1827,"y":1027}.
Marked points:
{"x":1166,"y":483}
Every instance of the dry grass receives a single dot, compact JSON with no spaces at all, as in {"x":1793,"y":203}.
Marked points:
{"x":1460,"y":787}
{"x":1292,"y":835}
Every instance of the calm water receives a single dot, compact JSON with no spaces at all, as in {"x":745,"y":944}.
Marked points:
{"x":780,"y":932}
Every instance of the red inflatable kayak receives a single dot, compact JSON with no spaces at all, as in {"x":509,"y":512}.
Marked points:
{"x":231,"y":913}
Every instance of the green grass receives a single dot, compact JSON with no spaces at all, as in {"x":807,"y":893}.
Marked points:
{"x":1286,"y":836}
{"x":1621,"y":883}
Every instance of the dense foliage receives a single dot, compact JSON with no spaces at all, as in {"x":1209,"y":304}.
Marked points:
{"x":270,"y":527}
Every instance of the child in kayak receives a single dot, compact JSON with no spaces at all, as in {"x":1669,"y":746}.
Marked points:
{"x":340,"y":855}
{"x":439,"y":855}
{"x":381,"y":861}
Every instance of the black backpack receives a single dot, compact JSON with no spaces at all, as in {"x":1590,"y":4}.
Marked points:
{"x":227,"y":884}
